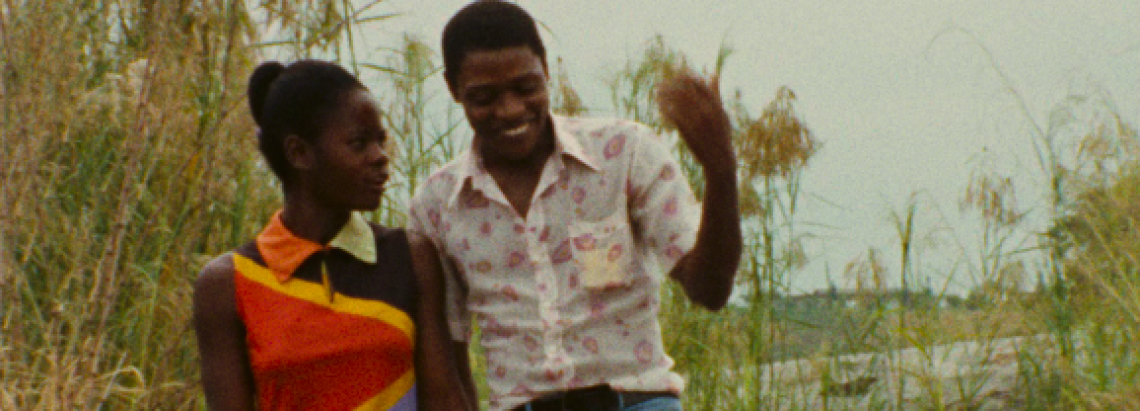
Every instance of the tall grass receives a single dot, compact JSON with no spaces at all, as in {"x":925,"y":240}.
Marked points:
{"x":421,"y":139}
{"x":129,"y":160}
{"x":1084,"y":304}
{"x":1097,"y":239}
{"x":125,"y":162}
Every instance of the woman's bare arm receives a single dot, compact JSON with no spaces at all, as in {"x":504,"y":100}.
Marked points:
{"x":438,"y":371}
{"x":226,"y":374}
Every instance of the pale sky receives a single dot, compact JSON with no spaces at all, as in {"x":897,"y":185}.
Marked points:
{"x":898,"y":108}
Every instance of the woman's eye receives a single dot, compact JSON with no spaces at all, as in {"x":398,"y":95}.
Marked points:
{"x":358,"y":143}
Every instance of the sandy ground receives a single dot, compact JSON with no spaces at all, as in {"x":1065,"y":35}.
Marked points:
{"x":960,"y":376}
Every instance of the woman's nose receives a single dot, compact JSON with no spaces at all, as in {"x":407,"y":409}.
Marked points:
{"x":378,"y":152}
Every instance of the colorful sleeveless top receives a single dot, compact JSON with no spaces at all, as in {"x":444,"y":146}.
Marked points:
{"x":329,"y":327}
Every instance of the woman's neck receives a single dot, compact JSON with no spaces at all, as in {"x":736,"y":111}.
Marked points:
{"x":310,"y":220}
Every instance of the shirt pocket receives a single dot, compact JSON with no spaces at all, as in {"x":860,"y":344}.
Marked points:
{"x":603,"y":251}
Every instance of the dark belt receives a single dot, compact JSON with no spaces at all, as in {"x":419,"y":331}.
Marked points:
{"x":596,"y":398}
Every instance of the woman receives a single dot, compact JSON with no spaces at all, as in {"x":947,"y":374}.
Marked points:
{"x":324,"y":310}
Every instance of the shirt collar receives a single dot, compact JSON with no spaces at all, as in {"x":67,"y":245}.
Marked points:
{"x":470,"y":166}
{"x":283,"y":251}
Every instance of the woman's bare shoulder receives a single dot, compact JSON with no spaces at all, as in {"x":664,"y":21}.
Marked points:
{"x":425,"y":259}
{"x":215,"y":283}
{"x":221,"y":268}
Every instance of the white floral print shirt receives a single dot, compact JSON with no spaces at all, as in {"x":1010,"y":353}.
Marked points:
{"x":568,"y":296}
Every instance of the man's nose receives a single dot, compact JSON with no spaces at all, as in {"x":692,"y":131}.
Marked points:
{"x":510,"y":105}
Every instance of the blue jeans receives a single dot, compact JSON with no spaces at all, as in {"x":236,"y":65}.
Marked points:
{"x":657,"y":404}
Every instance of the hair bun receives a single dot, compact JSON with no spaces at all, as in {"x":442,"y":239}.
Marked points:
{"x":259,"y":83}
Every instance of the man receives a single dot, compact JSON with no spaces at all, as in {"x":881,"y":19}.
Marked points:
{"x":558,"y":231}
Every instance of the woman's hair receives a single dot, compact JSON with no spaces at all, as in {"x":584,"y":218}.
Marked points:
{"x":487,"y":25}
{"x":298,"y":100}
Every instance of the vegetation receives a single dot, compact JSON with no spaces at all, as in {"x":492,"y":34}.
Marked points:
{"x":130,"y":160}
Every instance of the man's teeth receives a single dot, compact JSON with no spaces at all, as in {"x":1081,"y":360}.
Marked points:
{"x":516,"y":131}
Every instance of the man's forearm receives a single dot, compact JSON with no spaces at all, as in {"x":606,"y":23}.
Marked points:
{"x":708,"y":271}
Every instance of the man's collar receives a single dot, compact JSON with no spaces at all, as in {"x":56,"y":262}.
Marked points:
{"x":569,"y":144}
{"x":283,"y":251}
{"x":467,"y":167}
{"x":470,"y":166}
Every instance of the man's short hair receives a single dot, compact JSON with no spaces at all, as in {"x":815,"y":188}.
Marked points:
{"x":487,"y":25}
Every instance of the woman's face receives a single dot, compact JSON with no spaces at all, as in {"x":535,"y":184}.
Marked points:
{"x":351,"y":156}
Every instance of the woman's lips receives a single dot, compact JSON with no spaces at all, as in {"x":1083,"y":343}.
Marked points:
{"x":377,"y":182}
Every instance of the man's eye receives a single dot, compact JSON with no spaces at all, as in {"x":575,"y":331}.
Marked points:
{"x":529,"y":87}
{"x":481,"y":99}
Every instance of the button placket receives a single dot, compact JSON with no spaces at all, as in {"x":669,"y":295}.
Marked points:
{"x":556,"y":362}
{"x":544,"y":269}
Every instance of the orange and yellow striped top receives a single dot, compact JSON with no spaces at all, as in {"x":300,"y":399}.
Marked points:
{"x":329,"y":327}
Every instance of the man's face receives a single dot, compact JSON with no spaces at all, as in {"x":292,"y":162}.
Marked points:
{"x":504,"y":94}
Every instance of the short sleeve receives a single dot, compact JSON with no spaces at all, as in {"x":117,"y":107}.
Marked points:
{"x":425,"y":219}
{"x":662,"y":209}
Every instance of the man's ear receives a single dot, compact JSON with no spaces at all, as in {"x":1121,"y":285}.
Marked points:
{"x":299,"y":153}
{"x":450,"y":79}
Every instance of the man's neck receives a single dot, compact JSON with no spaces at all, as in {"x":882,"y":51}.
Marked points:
{"x":518,"y":179}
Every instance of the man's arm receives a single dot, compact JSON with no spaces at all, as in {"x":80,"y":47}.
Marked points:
{"x":707,"y":272}
{"x":226,"y":374}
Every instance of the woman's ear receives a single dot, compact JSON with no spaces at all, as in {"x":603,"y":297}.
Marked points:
{"x":299,"y":153}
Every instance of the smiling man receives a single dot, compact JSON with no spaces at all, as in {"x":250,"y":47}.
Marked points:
{"x":558,"y":232}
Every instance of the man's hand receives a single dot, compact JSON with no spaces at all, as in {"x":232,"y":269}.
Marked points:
{"x":693,"y":105}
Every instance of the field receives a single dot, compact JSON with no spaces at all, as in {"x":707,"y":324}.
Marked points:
{"x":129,"y":160}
